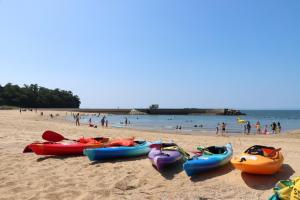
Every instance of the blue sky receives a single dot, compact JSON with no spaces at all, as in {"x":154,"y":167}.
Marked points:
{"x":239,"y":54}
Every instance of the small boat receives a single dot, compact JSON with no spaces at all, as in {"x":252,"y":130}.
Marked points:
{"x":208,"y":158}
{"x":163,"y":154}
{"x":61,"y":149}
{"x":241,"y":121}
{"x":259,"y":160}
{"x":110,"y":152}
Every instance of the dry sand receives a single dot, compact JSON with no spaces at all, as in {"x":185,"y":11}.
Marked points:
{"x":28,"y":176}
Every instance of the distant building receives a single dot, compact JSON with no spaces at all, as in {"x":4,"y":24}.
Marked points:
{"x":153,"y":106}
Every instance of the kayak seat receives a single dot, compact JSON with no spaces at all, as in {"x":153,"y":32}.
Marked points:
{"x":216,"y":150}
{"x":169,"y":144}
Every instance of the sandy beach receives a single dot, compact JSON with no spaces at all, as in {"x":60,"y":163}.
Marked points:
{"x":28,"y":176}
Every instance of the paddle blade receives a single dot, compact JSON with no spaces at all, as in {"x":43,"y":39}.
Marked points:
{"x":27,"y":149}
{"x":52,"y":136}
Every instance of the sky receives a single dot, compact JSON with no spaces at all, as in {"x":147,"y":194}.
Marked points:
{"x":133,"y":53}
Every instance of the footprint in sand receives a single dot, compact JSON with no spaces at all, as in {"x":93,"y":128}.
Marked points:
{"x":129,"y":182}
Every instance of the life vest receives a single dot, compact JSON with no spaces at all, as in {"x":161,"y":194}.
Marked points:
{"x":122,"y":142}
{"x":88,"y":140}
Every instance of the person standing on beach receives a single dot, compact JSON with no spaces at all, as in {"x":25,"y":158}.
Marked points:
{"x":102,"y":121}
{"x":266,"y":130}
{"x":248,"y":127}
{"x":217,"y":128}
{"x":77,"y":120}
{"x":106,"y":123}
{"x":223,"y":128}
{"x":90,"y":122}
{"x":126,"y":121}
{"x":273,"y":128}
{"x":258,"y":130}
{"x":279,"y":127}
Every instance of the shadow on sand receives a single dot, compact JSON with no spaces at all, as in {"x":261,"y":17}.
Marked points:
{"x":116,"y":160}
{"x":57,"y":157}
{"x":213,"y":173}
{"x":170,"y":171}
{"x":266,"y":182}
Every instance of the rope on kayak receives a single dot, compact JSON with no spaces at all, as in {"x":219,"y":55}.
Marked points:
{"x":177,"y":148}
{"x":204,"y":150}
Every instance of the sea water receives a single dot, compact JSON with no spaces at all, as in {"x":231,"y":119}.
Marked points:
{"x":289,"y":119}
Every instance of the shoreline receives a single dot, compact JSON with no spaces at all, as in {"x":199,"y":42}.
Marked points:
{"x":23,"y":175}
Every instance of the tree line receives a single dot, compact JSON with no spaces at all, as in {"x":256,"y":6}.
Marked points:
{"x":35,"y":96}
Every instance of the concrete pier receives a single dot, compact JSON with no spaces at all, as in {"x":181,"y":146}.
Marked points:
{"x":162,"y":111}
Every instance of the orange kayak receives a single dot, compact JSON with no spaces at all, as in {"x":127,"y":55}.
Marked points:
{"x":259,"y":160}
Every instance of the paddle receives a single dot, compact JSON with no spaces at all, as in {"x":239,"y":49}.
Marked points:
{"x":54,"y":137}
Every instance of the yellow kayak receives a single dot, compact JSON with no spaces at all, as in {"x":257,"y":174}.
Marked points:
{"x":259,"y":160}
{"x":241,"y":121}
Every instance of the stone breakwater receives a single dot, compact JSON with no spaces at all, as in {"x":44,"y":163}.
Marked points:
{"x":160,"y":111}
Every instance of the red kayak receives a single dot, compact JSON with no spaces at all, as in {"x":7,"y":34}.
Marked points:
{"x":60,"y":149}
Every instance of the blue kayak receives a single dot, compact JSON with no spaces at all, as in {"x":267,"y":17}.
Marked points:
{"x":141,"y":148}
{"x":211,"y":158}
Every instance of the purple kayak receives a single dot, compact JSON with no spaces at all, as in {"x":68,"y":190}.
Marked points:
{"x":164,"y":154}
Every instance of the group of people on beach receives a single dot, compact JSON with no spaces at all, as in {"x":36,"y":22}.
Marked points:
{"x":103,"y":121}
{"x":275,"y":128}
{"x":221,"y":126}
{"x":24,"y":110}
